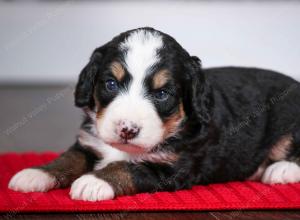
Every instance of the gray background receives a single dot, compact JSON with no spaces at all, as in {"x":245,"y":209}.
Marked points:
{"x":50,"y":41}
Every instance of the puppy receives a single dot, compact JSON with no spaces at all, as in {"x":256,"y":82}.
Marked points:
{"x":156,"y":121}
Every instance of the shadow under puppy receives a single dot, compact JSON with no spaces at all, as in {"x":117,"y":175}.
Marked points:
{"x":156,"y":121}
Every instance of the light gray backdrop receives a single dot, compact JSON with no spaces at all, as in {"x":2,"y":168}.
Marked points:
{"x":50,"y":41}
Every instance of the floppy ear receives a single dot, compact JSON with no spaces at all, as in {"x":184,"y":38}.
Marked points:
{"x":85,"y":85}
{"x":198,"y":96}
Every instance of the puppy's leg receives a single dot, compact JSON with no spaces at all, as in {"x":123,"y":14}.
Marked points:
{"x":59,"y":173}
{"x":282,"y":172}
{"x":286,"y":160}
{"x":123,"y":178}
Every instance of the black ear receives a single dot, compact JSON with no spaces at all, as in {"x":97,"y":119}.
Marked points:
{"x":198,"y":96}
{"x":85,"y":86}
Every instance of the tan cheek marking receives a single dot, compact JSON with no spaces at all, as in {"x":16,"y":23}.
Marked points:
{"x":100,"y":114}
{"x":160,"y":79}
{"x":117,"y":70}
{"x":172,"y":123}
{"x":119,"y":177}
{"x":281,"y":148}
{"x":100,"y":110}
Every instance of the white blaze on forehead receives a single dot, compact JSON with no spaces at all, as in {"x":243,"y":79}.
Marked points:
{"x":141,"y":54}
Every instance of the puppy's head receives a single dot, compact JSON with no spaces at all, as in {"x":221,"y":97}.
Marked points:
{"x":143,"y":88}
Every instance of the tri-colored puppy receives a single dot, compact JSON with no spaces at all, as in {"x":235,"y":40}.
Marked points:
{"x":156,"y":121}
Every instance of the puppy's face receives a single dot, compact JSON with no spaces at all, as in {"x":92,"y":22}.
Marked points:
{"x":138,"y":91}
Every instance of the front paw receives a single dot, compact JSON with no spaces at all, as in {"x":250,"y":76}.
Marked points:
{"x":90,"y":188}
{"x":32,"y":180}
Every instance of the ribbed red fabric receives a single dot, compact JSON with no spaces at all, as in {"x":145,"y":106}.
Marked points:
{"x":227,"y":196}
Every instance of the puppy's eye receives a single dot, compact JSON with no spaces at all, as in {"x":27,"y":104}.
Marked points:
{"x":161,"y":95}
{"x":111,"y":85}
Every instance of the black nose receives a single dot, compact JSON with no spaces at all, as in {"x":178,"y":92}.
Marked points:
{"x":130,"y":131}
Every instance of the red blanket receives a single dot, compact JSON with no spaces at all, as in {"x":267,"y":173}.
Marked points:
{"x":228,"y":196}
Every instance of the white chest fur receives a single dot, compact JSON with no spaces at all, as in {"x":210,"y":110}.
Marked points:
{"x":108,"y":153}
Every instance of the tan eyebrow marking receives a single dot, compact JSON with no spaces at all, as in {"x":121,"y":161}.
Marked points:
{"x":117,"y":70}
{"x":160,"y":78}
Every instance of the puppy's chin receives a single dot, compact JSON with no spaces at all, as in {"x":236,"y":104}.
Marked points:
{"x":128,"y":148}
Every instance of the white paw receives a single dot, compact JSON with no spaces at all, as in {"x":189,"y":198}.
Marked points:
{"x":90,"y":188}
{"x":282,"y":172}
{"x":32,"y":180}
